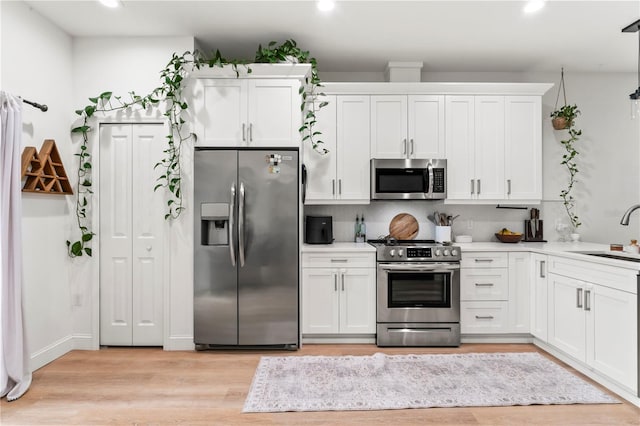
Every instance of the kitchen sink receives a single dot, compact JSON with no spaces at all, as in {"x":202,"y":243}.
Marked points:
{"x":608,"y":255}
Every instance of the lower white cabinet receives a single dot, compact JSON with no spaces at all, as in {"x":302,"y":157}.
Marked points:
{"x":494,"y":292}
{"x":339,"y":293}
{"x":538,"y":296}
{"x":594,"y":320}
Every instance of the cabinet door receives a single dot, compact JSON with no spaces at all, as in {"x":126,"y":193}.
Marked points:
{"x":357,"y":300}
{"x":220,"y":112}
{"x":321,"y":168}
{"x":538,"y":296}
{"x":389,"y":126}
{"x":320,"y":301}
{"x":489,"y":147}
{"x":353,"y":163}
{"x":519,"y":273}
{"x":523,"y":148}
{"x":459,"y":137}
{"x":274,"y":113}
{"x":612,"y":345}
{"x":566,"y":328}
{"x":426,"y":126}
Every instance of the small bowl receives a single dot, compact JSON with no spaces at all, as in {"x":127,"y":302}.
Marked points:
{"x":508,"y":238}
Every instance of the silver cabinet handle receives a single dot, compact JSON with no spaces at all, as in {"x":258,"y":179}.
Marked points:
{"x":487,"y":317}
{"x":484,"y":284}
{"x":250,"y":132}
{"x":412,"y":146}
{"x":543,"y":264}
{"x":587,"y":300}
{"x":339,"y":260}
{"x":241,"y":225}
{"x":232,"y":212}
{"x":340,"y":186}
{"x":244,"y":136}
{"x":479,"y":187}
{"x":473,"y":191}
{"x":335,"y":282}
{"x":578,"y":297}
{"x":333,"y":186}
{"x":404,"y":146}
{"x":483,"y":260}
{"x":342,"y":275}
{"x":508,"y":186}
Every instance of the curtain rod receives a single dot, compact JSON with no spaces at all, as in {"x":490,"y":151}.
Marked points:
{"x":41,"y":107}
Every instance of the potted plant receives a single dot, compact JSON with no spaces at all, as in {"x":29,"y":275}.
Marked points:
{"x":562,"y":118}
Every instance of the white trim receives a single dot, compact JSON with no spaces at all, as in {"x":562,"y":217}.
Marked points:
{"x":51,"y":352}
{"x":496,"y":338}
{"x":297,"y":71}
{"x":399,"y":88}
{"x":339,"y":339}
{"x":84,"y":342}
{"x":179,"y":343}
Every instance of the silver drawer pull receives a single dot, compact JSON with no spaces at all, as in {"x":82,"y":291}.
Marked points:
{"x":484,"y":260}
{"x":484,"y":284}
{"x":339,"y":260}
{"x":484,"y":317}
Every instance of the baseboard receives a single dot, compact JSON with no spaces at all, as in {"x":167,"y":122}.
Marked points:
{"x":85,"y":342}
{"x":613,"y":386}
{"x":51,"y":352}
{"x":496,"y":338}
{"x":339,"y":339}
{"x":179,"y":343}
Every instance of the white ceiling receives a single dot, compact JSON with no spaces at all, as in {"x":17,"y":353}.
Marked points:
{"x":362,"y":35}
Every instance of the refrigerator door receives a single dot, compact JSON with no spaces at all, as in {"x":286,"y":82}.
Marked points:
{"x":215,"y":274}
{"x":268,"y":247}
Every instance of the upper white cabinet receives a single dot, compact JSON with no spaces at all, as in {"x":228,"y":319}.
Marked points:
{"x":340,"y":176}
{"x":407,"y":126}
{"x":494,"y":148}
{"x":240,"y":112}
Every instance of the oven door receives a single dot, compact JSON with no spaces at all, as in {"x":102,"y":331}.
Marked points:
{"x":418,"y":292}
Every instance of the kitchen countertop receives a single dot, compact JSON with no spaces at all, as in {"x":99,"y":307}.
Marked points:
{"x":338,"y":246}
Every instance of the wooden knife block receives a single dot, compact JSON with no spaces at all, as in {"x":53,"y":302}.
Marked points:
{"x":531,"y":232}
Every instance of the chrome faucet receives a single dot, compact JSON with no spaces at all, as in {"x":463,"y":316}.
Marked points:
{"x":625,"y":217}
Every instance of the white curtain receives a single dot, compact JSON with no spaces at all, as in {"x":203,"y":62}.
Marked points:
{"x":15,"y":375}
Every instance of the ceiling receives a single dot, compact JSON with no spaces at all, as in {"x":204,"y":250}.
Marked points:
{"x":360,"y":35}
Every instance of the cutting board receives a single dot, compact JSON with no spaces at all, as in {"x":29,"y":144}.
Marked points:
{"x":403,"y":226}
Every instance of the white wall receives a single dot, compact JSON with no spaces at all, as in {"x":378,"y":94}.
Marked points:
{"x":36,"y":64}
{"x":609,"y":164}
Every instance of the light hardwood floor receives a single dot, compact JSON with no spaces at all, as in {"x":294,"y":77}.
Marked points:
{"x":141,"y":386}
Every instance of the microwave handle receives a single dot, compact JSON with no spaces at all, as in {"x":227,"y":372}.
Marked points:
{"x":430,"y":172}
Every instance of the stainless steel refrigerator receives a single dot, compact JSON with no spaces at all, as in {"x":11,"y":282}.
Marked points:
{"x":246,"y":248}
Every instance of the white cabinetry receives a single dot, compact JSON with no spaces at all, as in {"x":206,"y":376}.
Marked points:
{"x":407,"y":126}
{"x":494,"y":292}
{"x":494,"y":148}
{"x":338,"y":293}
{"x":538,"y":296}
{"x":593,"y":317}
{"x":247,"y":112}
{"x":341,"y":175}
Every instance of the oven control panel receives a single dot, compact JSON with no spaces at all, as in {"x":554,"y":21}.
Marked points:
{"x":418,"y":252}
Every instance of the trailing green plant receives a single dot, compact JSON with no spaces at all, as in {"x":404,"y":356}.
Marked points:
{"x":569,"y":161}
{"x":563,"y":118}
{"x":169,"y":95}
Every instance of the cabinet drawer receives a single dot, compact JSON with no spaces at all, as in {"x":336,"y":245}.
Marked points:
{"x":484,"y":284}
{"x":609,"y":276}
{"x":483,"y":317}
{"x":484,"y":260}
{"x":338,"y":259}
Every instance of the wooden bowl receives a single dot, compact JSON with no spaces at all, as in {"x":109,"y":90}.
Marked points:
{"x":508,"y":238}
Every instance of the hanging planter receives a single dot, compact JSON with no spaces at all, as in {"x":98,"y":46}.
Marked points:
{"x":562,"y":118}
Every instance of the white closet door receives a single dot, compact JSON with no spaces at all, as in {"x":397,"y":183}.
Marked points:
{"x":131,"y":235}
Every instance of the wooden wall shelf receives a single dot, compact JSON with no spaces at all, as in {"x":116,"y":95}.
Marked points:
{"x":44,"y":171}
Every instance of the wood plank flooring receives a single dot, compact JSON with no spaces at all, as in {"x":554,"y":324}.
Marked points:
{"x":148,"y":386}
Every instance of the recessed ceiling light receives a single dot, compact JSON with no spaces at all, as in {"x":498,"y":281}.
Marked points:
{"x":326,"y":5}
{"x":534,"y":6}
{"x":110,"y":3}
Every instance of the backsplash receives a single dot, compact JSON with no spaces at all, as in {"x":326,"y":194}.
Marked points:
{"x":479,"y":221}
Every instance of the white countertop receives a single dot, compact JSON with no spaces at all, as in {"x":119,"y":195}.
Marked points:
{"x":338,"y":246}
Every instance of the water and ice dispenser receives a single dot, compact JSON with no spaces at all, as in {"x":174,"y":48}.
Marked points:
{"x":214,"y":224}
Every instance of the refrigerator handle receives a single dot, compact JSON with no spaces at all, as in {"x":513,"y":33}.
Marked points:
{"x":232,"y":210}
{"x":241,"y":225}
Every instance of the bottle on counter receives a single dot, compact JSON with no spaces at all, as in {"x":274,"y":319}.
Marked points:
{"x":356,"y":229}
{"x":363,"y":229}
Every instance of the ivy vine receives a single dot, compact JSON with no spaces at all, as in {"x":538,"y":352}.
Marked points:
{"x":569,"y":161}
{"x":169,"y":95}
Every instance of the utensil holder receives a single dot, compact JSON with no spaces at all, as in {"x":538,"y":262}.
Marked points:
{"x":443,"y":234}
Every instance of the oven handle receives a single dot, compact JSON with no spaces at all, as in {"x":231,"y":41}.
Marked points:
{"x":412,"y":267}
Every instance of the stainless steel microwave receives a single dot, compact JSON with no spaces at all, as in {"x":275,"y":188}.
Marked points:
{"x":411,"y":179}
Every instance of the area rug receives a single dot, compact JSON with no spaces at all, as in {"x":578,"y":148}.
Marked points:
{"x":385,"y":382}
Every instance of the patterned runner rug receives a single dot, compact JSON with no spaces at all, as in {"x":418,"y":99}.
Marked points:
{"x":384,"y":382}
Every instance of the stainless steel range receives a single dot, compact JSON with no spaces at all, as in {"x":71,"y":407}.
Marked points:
{"x":418,"y":293}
